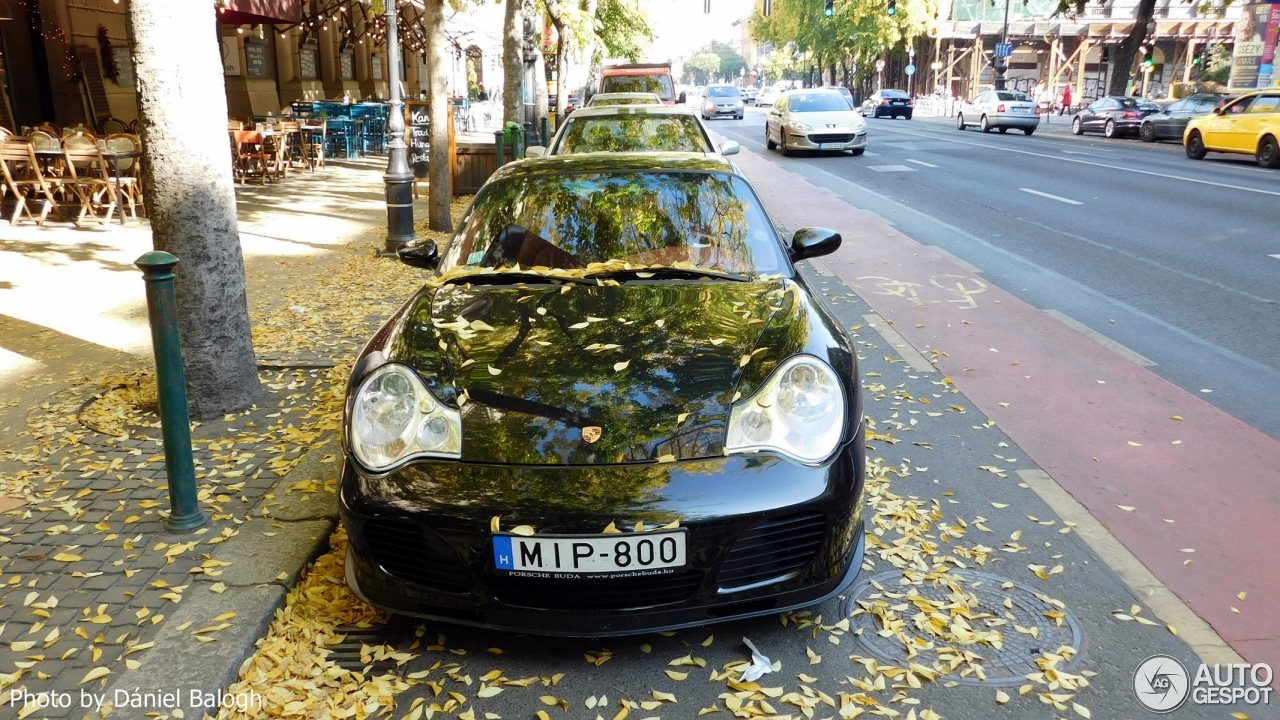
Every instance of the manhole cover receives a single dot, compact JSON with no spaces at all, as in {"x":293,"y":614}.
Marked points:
{"x":985,"y":596}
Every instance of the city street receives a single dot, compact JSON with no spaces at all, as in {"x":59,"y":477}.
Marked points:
{"x":1172,"y":258}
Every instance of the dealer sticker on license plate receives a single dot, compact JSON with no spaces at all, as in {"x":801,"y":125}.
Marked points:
{"x":830,"y":146}
{"x":594,"y":554}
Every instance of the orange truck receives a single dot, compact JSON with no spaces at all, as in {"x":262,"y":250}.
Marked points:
{"x":641,"y":77}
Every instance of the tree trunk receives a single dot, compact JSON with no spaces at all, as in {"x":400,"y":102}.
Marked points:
{"x":512,"y":63}
{"x":1122,"y":59}
{"x":191,"y":198}
{"x":440,"y":190}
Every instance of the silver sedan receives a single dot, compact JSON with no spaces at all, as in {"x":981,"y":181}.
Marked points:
{"x":1000,"y":110}
{"x":820,"y":119}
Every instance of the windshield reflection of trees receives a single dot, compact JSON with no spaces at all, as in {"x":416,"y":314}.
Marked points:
{"x":644,"y":218}
{"x":633,"y":133}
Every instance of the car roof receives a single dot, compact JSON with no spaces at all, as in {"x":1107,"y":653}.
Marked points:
{"x":606,"y":110}
{"x":645,"y":95}
{"x":616,"y":162}
{"x":722,"y":85}
{"x":797,"y":91}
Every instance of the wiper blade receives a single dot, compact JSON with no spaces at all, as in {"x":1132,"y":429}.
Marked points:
{"x":646,"y":273}
{"x":513,"y":278}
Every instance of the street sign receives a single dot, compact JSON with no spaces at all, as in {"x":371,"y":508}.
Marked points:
{"x":879,"y":65}
{"x":1004,"y":49}
{"x":909,"y":70}
{"x":935,"y":66}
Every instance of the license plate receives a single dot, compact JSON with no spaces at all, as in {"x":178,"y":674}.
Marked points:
{"x":830,"y":146}
{"x":1021,"y":110}
{"x":899,"y":102}
{"x":627,"y":553}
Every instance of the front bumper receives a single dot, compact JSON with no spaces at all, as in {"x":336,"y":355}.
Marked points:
{"x":440,"y":565}
{"x":722,"y":111}
{"x":813,"y":140}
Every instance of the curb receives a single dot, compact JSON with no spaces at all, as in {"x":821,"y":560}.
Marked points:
{"x":260,"y":573}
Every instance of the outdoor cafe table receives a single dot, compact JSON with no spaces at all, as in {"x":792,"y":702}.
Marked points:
{"x":115,"y":156}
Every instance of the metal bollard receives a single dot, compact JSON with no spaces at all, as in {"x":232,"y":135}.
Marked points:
{"x":498,"y":149}
{"x":546,"y":135}
{"x":517,"y":142}
{"x":171,"y":384}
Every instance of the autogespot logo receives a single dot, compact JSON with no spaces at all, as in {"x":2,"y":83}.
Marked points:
{"x":1161,"y":683}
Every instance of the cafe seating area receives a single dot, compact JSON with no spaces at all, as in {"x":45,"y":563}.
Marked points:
{"x":266,"y":148}
{"x":78,"y":173}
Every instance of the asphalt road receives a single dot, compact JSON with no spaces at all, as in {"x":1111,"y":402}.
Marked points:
{"x":1175,"y":259}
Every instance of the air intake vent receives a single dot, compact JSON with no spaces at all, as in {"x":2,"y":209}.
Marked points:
{"x":596,"y":593}
{"x":415,"y":554}
{"x":772,"y":550}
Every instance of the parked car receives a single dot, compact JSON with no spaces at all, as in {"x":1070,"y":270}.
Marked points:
{"x":640,"y":77}
{"x":1248,"y":125}
{"x":768,"y":96}
{"x":818,"y":119}
{"x":1171,"y":122}
{"x":999,"y":110}
{"x":629,"y":128}
{"x":1113,"y":116}
{"x":888,"y":103}
{"x":720,"y":101}
{"x":637,"y":98}
{"x":511,"y":453}
{"x":749,"y":94}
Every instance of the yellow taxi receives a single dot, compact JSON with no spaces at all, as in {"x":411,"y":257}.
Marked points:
{"x":1248,"y":125}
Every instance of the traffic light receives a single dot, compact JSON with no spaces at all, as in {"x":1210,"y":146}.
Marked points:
{"x":893,"y":7}
{"x":1148,"y":64}
{"x":829,"y":8}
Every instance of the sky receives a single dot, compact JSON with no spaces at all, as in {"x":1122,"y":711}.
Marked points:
{"x":680,"y":26}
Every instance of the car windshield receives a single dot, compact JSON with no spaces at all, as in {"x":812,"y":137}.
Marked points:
{"x":602,"y":101}
{"x":632,"y":133}
{"x":722,"y":92}
{"x":659,"y":85}
{"x":685,"y":220}
{"x":1014,"y":96}
{"x":818,"y":102}
{"x":1139,"y":103}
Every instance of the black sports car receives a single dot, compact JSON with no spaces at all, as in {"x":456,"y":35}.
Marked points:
{"x":1172,"y":121}
{"x":1113,"y":116}
{"x":615,"y":407}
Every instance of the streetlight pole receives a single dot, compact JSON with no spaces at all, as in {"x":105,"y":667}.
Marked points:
{"x":399,"y":177}
{"x":1002,"y":61}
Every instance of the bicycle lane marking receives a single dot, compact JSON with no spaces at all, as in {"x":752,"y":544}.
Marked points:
{"x":1098,"y":423}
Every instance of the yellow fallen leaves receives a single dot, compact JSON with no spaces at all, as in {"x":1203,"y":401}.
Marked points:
{"x":620,"y":366}
{"x":94,"y":674}
{"x":67,"y":557}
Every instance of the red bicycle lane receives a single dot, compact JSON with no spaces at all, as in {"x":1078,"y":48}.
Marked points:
{"x":1103,"y":427}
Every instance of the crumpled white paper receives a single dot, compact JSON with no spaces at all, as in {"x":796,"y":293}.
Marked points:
{"x":759,"y":664}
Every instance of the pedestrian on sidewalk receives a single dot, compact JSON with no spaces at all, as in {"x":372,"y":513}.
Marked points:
{"x":1066,"y":99}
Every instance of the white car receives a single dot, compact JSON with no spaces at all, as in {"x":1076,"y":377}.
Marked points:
{"x":999,"y":110}
{"x":767,"y":96}
{"x":815,"y":119}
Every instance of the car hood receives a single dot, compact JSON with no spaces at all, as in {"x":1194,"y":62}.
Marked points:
{"x":653,"y":365}
{"x":820,"y":120}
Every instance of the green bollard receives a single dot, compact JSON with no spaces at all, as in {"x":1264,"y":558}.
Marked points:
{"x":517,"y":142}
{"x":175,"y":424}
{"x":498,"y":149}
{"x":546,"y":135}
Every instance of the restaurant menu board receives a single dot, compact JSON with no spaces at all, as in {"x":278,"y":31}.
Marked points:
{"x":347,"y":64}
{"x":255,"y":58}
{"x":375,"y":66}
{"x":417,"y":128}
{"x":307,"y":62}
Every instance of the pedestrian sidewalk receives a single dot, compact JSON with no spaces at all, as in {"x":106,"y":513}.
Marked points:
{"x":91,"y":583}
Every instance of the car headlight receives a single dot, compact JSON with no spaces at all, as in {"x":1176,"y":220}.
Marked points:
{"x":799,"y":126}
{"x":395,"y":416}
{"x":799,"y":412}
{"x":739,"y":103}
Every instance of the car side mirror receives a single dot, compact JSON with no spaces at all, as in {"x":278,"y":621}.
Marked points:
{"x":730,"y":147}
{"x":534,"y":151}
{"x":684,"y":98}
{"x":419,"y":254}
{"x":814,"y":242}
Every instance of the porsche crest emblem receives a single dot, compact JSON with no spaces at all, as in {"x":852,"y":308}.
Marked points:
{"x":591,"y":433}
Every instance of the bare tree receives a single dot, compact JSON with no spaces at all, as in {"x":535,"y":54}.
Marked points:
{"x":191,"y":197}
{"x":512,"y":60}
{"x":440,"y":191}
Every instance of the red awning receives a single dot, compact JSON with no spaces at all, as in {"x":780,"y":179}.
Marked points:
{"x":252,"y":12}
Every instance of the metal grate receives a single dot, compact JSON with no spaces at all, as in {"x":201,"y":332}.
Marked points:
{"x":773,"y":550}
{"x":831,"y":137}
{"x":415,"y":554}
{"x":596,"y":593}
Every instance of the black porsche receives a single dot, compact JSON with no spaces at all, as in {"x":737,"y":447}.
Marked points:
{"x":614,"y":407}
